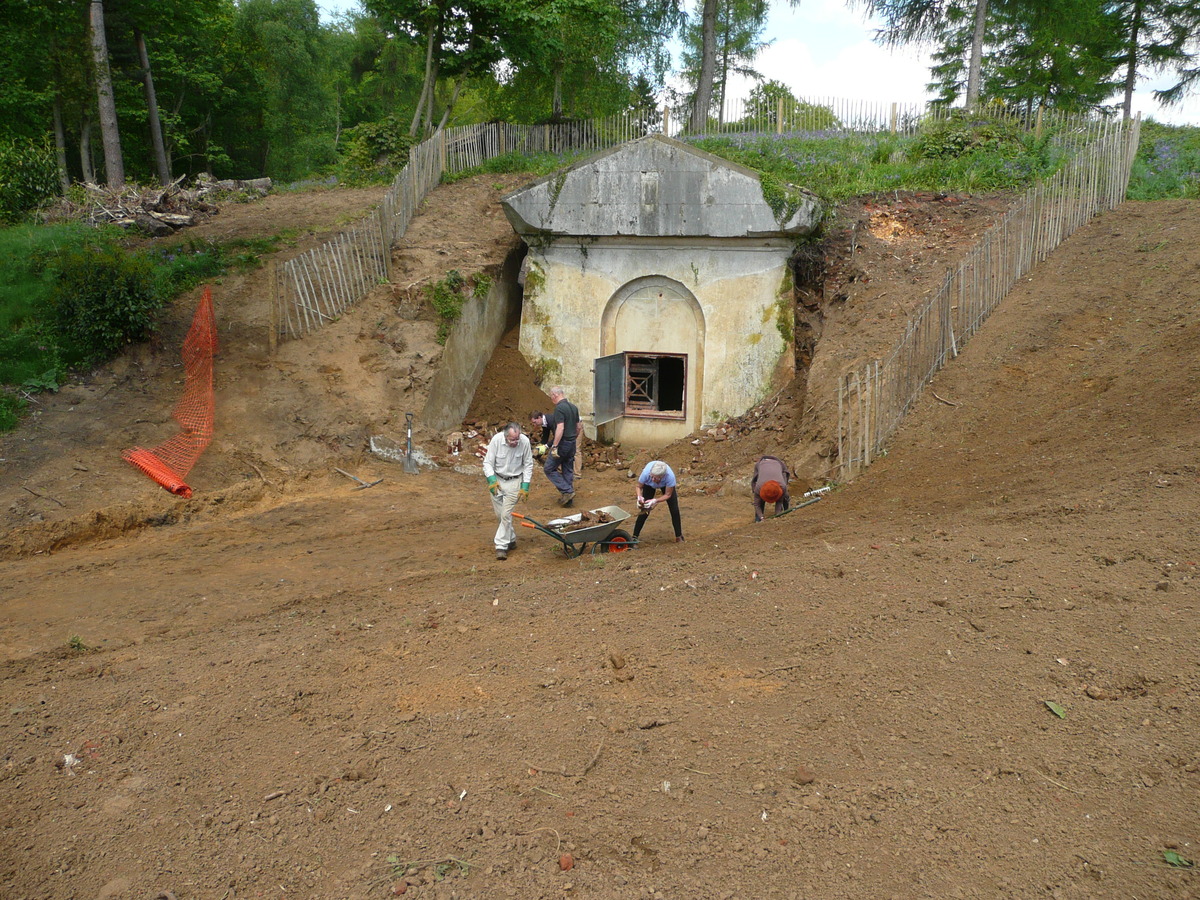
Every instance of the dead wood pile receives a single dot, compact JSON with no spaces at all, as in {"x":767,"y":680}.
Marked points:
{"x":157,"y":211}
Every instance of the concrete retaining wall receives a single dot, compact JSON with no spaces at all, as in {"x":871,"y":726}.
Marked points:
{"x":469,"y":347}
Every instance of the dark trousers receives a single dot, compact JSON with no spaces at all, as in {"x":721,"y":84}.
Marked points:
{"x":672,"y":504}
{"x":561,"y":471}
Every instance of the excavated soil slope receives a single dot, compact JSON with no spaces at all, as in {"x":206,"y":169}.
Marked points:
{"x":288,"y":687}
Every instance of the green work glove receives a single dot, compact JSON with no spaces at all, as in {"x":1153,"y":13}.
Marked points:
{"x":493,"y":486}
{"x":523,"y":494}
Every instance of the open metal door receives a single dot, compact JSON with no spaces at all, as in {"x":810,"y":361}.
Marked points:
{"x":609,"y":388}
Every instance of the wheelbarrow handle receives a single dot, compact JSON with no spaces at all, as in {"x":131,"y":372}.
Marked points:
{"x":528,"y":525}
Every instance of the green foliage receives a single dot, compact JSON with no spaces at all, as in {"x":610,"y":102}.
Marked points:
{"x":28,"y":177}
{"x":447,"y":297}
{"x":483,"y":284}
{"x":103,"y":299}
{"x":738,"y":39}
{"x":186,"y":265}
{"x":974,"y":155}
{"x":1177,"y":860}
{"x":75,"y":643}
{"x":30,"y":353}
{"x":375,"y":151}
{"x":1167,"y":163}
{"x":69,"y":295}
{"x":962,"y":134}
{"x":534,"y":164}
{"x":12,"y":408}
{"x":763,"y":110}
{"x":30,"y":357}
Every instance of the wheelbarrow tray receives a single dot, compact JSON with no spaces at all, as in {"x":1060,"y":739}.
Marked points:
{"x":592,"y":533}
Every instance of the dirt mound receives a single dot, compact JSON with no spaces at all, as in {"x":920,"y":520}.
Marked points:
{"x":970,"y":673}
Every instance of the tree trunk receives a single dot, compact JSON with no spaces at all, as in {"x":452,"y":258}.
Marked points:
{"x":156,"y":135}
{"x":431,"y":97}
{"x":60,"y":146}
{"x":976,"y":65}
{"x":702,"y":99}
{"x":556,"y":103}
{"x":1131,"y":70}
{"x":114,"y":163}
{"x":85,"y":151}
{"x":453,"y":99}
{"x":426,"y":86}
{"x":724,"y":80}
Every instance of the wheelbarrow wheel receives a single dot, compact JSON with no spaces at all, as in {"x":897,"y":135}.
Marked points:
{"x":617,"y":542}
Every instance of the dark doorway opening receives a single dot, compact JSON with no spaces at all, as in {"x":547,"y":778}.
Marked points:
{"x":656,"y":384}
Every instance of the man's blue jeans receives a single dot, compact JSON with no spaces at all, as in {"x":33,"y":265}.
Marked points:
{"x":561,"y":471}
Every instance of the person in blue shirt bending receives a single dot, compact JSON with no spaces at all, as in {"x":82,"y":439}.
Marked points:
{"x":657,"y":476}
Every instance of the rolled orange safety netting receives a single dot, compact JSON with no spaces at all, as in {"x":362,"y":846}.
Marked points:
{"x":169,"y":463}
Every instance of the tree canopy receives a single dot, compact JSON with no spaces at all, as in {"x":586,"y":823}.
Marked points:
{"x":244,"y":88}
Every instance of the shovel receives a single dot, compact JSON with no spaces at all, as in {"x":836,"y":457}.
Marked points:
{"x":361,"y":484}
{"x":410,"y":464}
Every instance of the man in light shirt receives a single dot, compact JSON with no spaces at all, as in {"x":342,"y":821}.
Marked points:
{"x":508,"y":467}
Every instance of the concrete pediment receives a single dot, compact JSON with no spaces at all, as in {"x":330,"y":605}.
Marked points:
{"x":654,"y":187}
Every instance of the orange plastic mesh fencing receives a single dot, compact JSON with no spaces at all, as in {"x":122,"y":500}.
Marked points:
{"x":169,"y":462}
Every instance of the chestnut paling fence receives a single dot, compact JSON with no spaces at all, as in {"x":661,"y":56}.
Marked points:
{"x":873,"y":399}
{"x":317,"y":286}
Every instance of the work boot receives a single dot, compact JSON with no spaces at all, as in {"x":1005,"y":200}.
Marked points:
{"x":567,"y":499}
{"x":501,"y":553}
{"x":679,"y":538}
{"x":512,"y":546}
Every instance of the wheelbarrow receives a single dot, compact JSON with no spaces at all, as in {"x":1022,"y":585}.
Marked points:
{"x":605,"y":537}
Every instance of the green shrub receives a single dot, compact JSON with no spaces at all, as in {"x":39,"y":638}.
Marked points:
{"x":1167,"y":164}
{"x":28,"y":177}
{"x":962,"y":134}
{"x":375,"y":151}
{"x":103,"y":299}
{"x":447,"y":297}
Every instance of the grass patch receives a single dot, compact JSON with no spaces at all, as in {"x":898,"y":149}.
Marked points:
{"x":1167,"y":165}
{"x":837,"y":166}
{"x":535,"y":165}
{"x":72,"y":295}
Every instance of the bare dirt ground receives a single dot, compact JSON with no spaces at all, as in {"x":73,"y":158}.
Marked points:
{"x":288,"y":687}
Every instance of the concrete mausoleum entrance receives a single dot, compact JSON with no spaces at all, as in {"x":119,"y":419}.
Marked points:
{"x":657,"y":289}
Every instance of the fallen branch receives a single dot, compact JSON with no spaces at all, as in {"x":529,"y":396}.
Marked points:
{"x":943,"y":399}
{"x":42,"y":496}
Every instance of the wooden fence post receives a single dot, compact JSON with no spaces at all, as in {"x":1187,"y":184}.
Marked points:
{"x":666,"y":121}
{"x":273,"y":324}
{"x":893,"y":119}
{"x":779,"y":115}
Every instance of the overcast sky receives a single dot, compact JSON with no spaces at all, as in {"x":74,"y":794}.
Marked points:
{"x":823,"y":49}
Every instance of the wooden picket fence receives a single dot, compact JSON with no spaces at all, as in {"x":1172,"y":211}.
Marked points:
{"x":873,"y":399}
{"x":317,"y":286}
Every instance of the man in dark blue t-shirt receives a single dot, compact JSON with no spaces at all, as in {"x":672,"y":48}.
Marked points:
{"x":564,"y":436}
